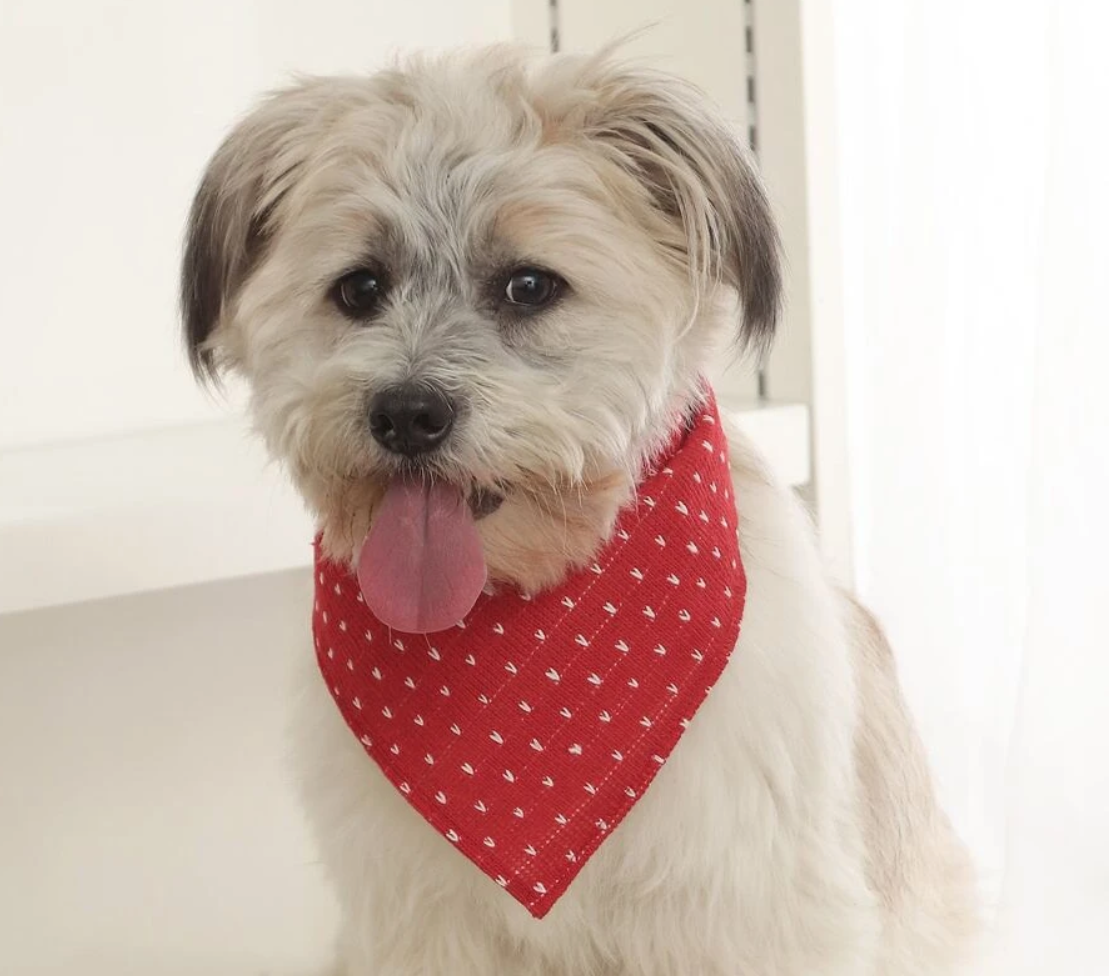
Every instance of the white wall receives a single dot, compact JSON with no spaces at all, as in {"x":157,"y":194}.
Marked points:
{"x":701,"y":41}
{"x":109,"y":110}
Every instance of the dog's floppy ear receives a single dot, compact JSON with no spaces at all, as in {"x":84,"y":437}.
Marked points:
{"x":698,"y":173}
{"x":230,"y":220}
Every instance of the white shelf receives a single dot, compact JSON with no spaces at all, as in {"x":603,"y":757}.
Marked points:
{"x":781,"y":433}
{"x":108,"y":516}
{"x":112,"y":516}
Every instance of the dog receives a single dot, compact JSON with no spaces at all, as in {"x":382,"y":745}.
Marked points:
{"x":503,"y":277}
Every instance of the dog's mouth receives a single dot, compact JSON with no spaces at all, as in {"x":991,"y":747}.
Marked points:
{"x":421,"y":567}
{"x":482,"y":501}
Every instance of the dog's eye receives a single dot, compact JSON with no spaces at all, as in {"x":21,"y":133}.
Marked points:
{"x":358,"y":293}
{"x":531,"y":287}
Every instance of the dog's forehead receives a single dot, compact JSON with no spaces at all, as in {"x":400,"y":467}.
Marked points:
{"x":426,"y":183}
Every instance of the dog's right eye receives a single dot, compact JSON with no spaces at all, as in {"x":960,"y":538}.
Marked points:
{"x":359,"y":293}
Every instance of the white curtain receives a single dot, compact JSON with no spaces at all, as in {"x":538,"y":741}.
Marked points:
{"x":976,"y":221}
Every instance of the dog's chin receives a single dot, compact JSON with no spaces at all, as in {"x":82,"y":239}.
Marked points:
{"x":532,"y":536}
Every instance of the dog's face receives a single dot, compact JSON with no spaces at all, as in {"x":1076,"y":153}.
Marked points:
{"x":503,"y":276}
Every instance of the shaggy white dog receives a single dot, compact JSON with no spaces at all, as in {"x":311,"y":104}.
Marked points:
{"x":550,"y":249}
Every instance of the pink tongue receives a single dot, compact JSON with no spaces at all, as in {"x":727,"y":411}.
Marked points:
{"x":421,"y":567}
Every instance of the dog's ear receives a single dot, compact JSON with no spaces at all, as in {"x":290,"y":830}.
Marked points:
{"x":700,"y":175}
{"x":231,"y":218}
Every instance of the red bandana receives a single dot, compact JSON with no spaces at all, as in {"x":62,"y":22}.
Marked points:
{"x":528,"y":731}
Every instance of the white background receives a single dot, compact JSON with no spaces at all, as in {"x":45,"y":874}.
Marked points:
{"x":974,"y":157}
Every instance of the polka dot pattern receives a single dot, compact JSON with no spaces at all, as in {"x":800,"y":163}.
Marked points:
{"x":525,"y":733}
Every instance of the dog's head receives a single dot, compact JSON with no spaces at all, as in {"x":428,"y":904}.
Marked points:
{"x":499,"y":275}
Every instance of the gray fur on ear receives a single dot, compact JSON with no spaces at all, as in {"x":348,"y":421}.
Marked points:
{"x":230,"y":220}
{"x":698,"y":173}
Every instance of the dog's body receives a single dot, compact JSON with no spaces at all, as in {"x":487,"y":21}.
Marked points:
{"x":793,"y":832}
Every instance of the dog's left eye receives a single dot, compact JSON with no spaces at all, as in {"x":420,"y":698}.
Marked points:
{"x":358,"y":293}
{"x":531,"y":287}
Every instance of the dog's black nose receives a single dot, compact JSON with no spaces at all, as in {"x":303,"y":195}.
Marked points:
{"x":411,"y":419}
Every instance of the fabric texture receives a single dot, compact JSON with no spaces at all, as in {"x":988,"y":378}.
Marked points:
{"x":526,"y":733}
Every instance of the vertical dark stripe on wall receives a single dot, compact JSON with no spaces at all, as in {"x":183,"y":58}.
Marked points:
{"x":750,"y":61}
{"x":554,"y":27}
